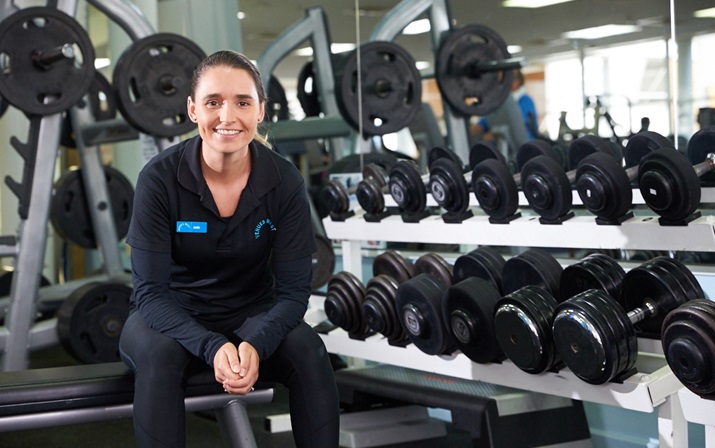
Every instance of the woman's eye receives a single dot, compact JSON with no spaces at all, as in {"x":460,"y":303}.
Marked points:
{"x":212,"y":103}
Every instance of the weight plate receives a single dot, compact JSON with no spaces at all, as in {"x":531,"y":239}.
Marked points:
{"x":380,"y":309}
{"x":534,"y":148}
{"x":46,"y":60}
{"x":468,"y":310}
{"x":369,"y":196}
{"x":70,"y":213}
{"x":688,"y":338}
{"x":323,"y":260}
{"x":101,"y":98}
{"x":546,"y":187}
{"x":343,"y":304}
{"x":533,"y":267}
{"x":463,"y":86}
{"x":394,"y":265}
{"x":700,"y":145}
{"x":90,"y":321}
{"x":3,"y":106}
{"x":391,"y":90}
{"x":586,"y":145}
{"x":595,"y":271}
{"x":376,"y":173}
{"x":307,"y":91}
{"x":482,"y":151}
{"x":604,"y":187}
{"x":437,"y":266}
{"x":641,"y":144}
{"x":407,"y":187}
{"x":152,"y":80}
{"x":419,"y":302}
{"x":522,"y":325}
{"x":276,"y":101}
{"x":669,"y":184}
{"x":335,"y":197}
{"x":438,"y":153}
{"x":482,"y":262}
{"x":448,"y":186}
{"x":495,"y":189}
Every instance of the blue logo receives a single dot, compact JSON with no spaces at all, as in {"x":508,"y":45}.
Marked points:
{"x":191,"y":227}
{"x":259,"y":226}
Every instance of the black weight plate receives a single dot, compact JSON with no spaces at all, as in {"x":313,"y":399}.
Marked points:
{"x":437,"y":266}
{"x":3,"y":105}
{"x":101,"y":98}
{"x":688,"y":283}
{"x":335,"y":197}
{"x":380,"y":309}
{"x":419,"y":304}
{"x":394,"y":265}
{"x":534,"y":148}
{"x":33,"y":87}
{"x":468,"y":310}
{"x":700,"y":145}
{"x":276,"y":101}
{"x":688,"y":338}
{"x":370,"y":196}
{"x":482,"y":262}
{"x":641,"y":144}
{"x":90,"y":321}
{"x":669,"y":184}
{"x":448,"y":186}
{"x":603,"y":186}
{"x":482,"y":151}
{"x":6,"y":279}
{"x":407,"y":187}
{"x":495,"y":189}
{"x":376,"y":173}
{"x":343,"y":303}
{"x":152,"y":80}
{"x":595,"y":271}
{"x":468,"y":92}
{"x":586,"y":145}
{"x":546,"y":187}
{"x":69,"y":210}
{"x":391,"y":89}
{"x":307,"y":91}
{"x":323,"y":260}
{"x":533,"y":267}
{"x":438,"y":153}
{"x":522,"y":324}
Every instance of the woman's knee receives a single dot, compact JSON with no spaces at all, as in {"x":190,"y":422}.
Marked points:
{"x":141,"y":346}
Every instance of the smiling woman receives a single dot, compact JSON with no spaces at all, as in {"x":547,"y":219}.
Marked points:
{"x":221,"y":241}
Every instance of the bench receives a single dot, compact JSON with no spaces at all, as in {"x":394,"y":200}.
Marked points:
{"x":56,"y":396}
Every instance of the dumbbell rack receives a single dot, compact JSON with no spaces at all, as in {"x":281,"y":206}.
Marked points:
{"x":653,"y":387}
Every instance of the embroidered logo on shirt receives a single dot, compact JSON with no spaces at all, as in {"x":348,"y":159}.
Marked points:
{"x":191,"y":227}
{"x":259,"y":226}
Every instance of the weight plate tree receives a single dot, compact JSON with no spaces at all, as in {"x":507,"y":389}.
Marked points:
{"x":474,"y":70}
{"x":152,"y":80}
{"x":46,"y":61}
{"x":391,"y":89}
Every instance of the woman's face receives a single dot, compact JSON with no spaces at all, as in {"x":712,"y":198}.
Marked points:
{"x":226,"y":109}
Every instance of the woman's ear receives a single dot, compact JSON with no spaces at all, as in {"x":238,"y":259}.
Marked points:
{"x":191,"y":109}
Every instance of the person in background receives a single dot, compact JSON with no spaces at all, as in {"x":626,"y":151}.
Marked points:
{"x":221,"y":242}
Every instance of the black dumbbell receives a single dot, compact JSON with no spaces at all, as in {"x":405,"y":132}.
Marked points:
{"x":548,"y":188}
{"x":390,"y":269}
{"x":688,"y":338}
{"x":605,"y":187}
{"x":343,"y":304}
{"x":496,"y":189}
{"x":468,"y":305}
{"x":369,"y":192}
{"x":597,"y":339}
{"x":670,"y":185}
{"x":419,"y":302}
{"x":522,"y":318}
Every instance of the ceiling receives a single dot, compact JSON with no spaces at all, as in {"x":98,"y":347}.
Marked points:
{"x":537,"y":31}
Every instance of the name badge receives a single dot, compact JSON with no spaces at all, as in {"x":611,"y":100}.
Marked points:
{"x":191,"y":227}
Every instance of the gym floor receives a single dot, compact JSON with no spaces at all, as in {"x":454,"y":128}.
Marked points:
{"x":202,"y":429}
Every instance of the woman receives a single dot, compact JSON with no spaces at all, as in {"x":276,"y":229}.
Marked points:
{"x":221,"y":242}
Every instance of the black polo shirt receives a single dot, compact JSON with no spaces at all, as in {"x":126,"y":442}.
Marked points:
{"x":195,"y":271}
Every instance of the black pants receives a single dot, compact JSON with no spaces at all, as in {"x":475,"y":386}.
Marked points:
{"x":161,"y":366}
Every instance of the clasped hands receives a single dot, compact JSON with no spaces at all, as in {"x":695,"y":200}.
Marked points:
{"x":236,"y":367}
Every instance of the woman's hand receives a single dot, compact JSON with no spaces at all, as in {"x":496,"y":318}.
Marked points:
{"x":236,"y":368}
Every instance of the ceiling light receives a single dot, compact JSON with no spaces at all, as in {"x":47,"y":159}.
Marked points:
{"x":710,"y":12}
{"x":599,"y":32}
{"x":241,"y":15}
{"x":417,"y":27}
{"x":531,"y":3}
{"x":334,"y":48}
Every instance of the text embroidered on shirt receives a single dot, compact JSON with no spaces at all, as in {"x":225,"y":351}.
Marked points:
{"x":259,"y":226}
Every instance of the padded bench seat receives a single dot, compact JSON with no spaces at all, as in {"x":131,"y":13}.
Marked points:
{"x":57,"y":396}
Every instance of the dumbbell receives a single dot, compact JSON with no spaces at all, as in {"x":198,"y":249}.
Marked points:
{"x":548,"y":188}
{"x":390,"y":269}
{"x":596,"y":338}
{"x":605,"y":187}
{"x":688,"y":338}
{"x":468,"y":305}
{"x":369,"y":192}
{"x":419,"y":302}
{"x":670,"y":185}
{"x":497,"y":190}
{"x":409,"y":188}
{"x":343,"y":304}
